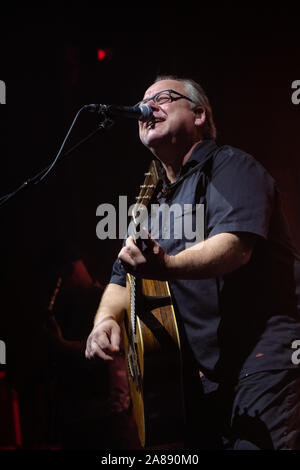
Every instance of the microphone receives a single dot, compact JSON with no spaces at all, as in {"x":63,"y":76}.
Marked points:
{"x":141,"y":112}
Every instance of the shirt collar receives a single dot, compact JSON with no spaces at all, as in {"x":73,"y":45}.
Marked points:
{"x":198,"y":154}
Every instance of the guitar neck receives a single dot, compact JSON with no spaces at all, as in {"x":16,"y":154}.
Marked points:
{"x":147,"y":190}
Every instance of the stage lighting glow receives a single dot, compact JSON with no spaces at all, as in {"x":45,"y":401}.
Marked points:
{"x":101,"y":54}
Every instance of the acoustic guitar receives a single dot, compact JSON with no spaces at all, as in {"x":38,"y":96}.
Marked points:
{"x":152,"y":349}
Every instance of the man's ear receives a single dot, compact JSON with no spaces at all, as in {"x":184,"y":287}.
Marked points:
{"x":200,"y":116}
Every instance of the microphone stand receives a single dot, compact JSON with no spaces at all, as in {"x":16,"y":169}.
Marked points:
{"x":39,"y":177}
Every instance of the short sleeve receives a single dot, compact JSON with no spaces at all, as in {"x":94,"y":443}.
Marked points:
{"x":240,"y":195}
{"x":118,"y":275}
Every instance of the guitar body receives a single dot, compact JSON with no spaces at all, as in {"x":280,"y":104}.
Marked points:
{"x":155,"y":372}
{"x":152,"y":349}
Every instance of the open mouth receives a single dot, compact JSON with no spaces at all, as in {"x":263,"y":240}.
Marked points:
{"x":152,"y":123}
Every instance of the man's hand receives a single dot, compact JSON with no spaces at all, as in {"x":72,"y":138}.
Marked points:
{"x":151,"y":263}
{"x":214,"y":257}
{"x":104,"y":340}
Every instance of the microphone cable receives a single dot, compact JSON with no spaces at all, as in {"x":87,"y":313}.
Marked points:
{"x":36,"y":179}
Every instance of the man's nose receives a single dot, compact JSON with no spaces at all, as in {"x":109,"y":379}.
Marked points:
{"x":153,"y":104}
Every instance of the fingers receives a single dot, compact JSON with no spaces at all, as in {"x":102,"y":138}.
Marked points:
{"x":133,"y":247}
{"x":104,"y":341}
{"x":130,"y":243}
{"x":94,"y":351}
{"x":126,"y":257}
{"x":148,"y":263}
{"x":130,"y":254}
{"x":115,"y":340}
{"x":151,"y":244}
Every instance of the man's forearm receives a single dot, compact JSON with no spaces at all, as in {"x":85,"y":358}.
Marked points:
{"x":214,"y":257}
{"x":113,"y":303}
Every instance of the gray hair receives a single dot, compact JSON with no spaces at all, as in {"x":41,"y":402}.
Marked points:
{"x":195,"y":91}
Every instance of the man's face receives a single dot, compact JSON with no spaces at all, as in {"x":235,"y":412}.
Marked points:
{"x":172,"y":122}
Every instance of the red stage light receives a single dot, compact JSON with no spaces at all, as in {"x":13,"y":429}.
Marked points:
{"x":101,"y":54}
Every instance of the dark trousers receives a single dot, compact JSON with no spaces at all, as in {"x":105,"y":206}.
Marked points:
{"x":261,"y":412}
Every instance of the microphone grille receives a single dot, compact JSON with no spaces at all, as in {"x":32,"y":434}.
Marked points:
{"x":146,"y":112}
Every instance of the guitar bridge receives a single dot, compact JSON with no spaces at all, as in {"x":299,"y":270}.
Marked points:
{"x":134,"y":368}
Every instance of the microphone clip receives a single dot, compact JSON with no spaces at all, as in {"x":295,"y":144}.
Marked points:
{"x":96,"y":108}
{"x":106,"y":122}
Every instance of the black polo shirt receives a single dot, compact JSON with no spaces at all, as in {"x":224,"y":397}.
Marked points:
{"x":245,"y":321}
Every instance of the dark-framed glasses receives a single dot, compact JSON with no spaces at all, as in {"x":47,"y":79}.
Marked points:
{"x":165,"y":96}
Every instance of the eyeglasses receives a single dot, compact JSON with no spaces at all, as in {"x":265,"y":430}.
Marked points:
{"x":165,"y":96}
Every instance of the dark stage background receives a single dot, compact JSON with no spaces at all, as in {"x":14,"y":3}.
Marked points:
{"x":246,"y":60}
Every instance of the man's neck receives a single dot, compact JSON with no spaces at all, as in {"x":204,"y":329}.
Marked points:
{"x":174,"y":164}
